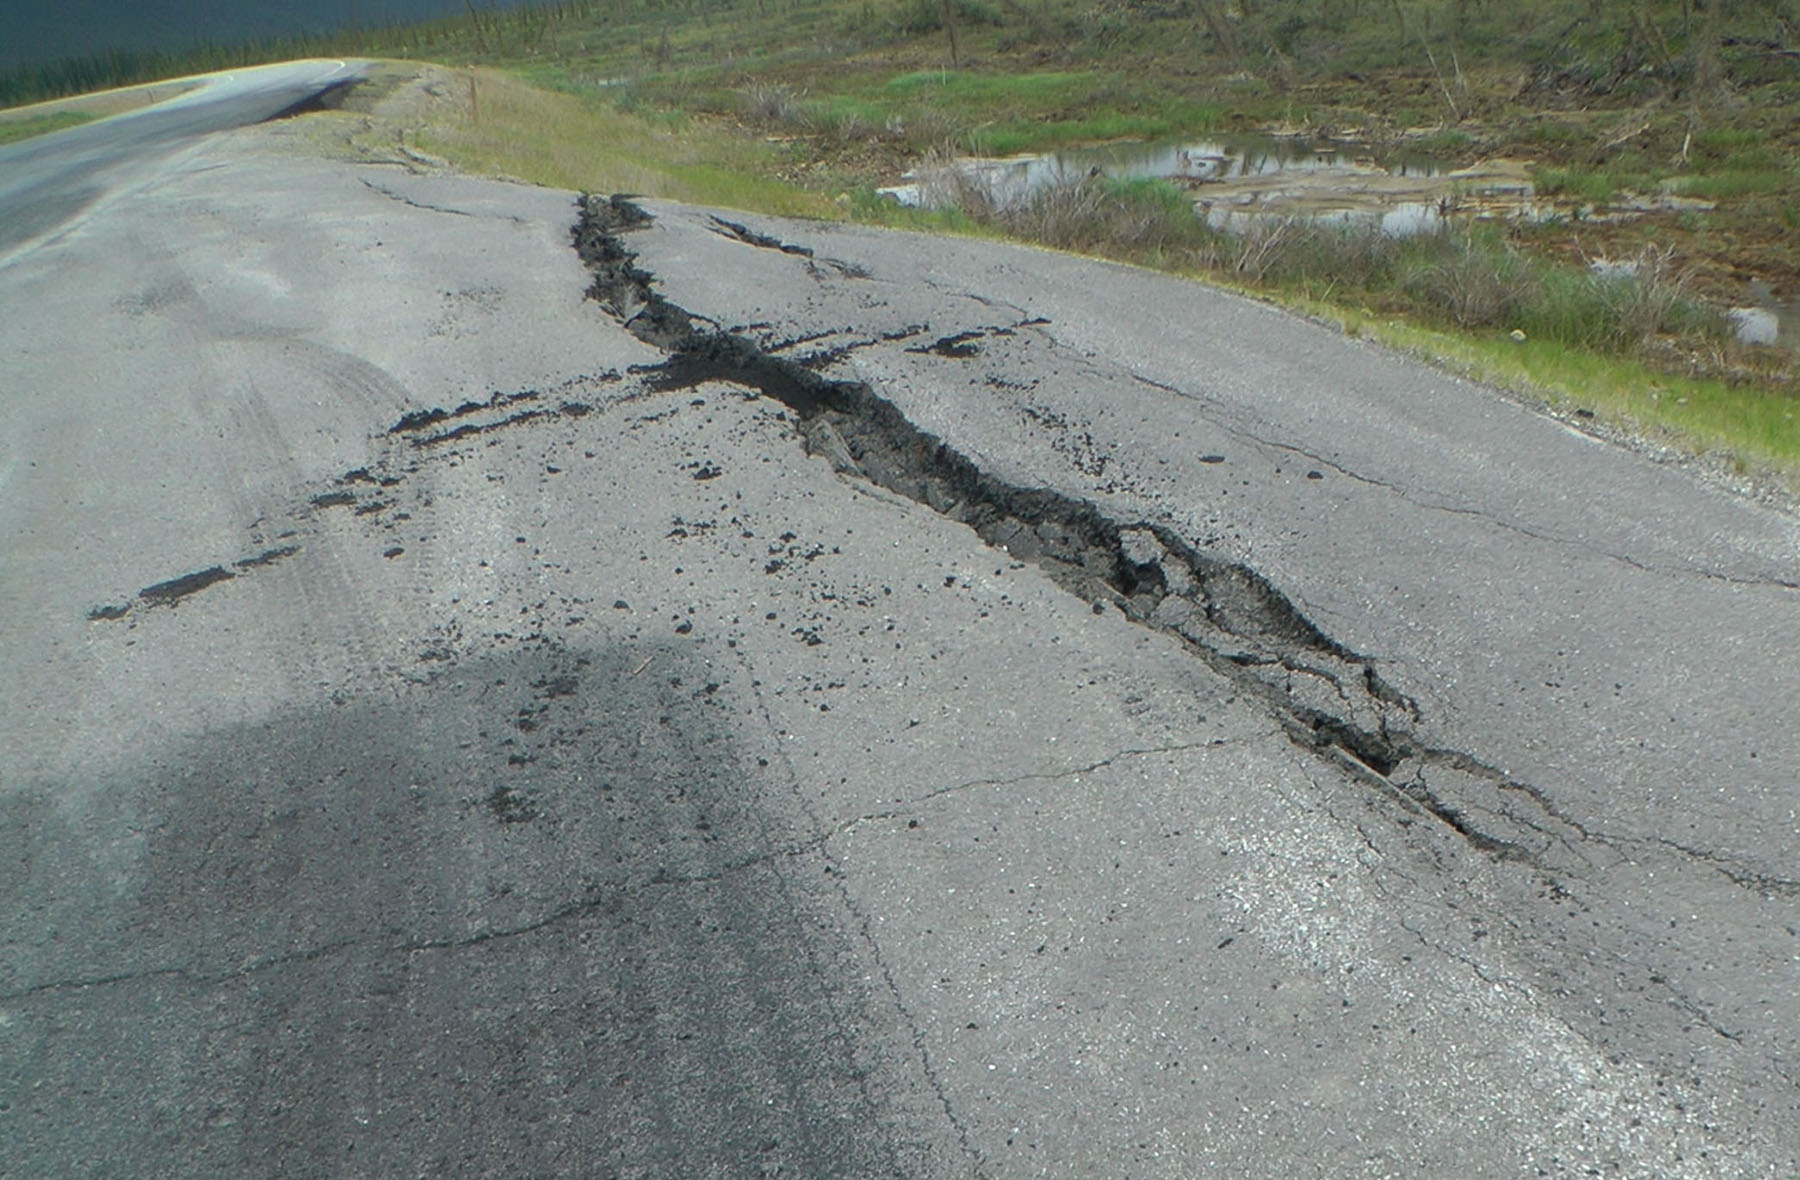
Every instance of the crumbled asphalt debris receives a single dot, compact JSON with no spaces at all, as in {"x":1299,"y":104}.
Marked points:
{"x":1226,"y":612}
{"x":418,"y":420}
{"x":958,"y":346}
{"x":267,"y":557}
{"x":748,"y":236}
{"x":175,"y":589}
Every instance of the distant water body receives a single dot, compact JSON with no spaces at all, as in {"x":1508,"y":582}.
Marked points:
{"x":42,"y":32}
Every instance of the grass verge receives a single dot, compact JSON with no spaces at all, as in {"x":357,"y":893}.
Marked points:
{"x":1749,"y":432}
{"x":13,"y":130}
{"x":514,"y":129}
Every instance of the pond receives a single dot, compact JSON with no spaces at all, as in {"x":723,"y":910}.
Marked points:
{"x":1230,"y":176}
{"x":1228,"y":158}
{"x":1235,"y":179}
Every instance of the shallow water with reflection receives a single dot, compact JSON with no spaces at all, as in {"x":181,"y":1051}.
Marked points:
{"x":1237,"y":180}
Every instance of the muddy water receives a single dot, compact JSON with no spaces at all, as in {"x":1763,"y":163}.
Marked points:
{"x":1231,"y":174}
{"x":1399,"y":202}
{"x":1241,"y":157}
{"x":1236,"y":179}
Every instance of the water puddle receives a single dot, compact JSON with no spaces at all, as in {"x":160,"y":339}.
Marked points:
{"x":1236,"y":178}
{"x":1768,"y":321}
{"x":1245,"y":157}
{"x":1245,"y":175}
{"x":1400,"y":203}
{"x":1235,"y":181}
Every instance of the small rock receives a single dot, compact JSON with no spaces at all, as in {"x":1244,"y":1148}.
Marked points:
{"x":1140,"y":547}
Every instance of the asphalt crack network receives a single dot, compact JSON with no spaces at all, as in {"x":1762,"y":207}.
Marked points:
{"x":865,"y":933}
{"x":403,"y":199}
{"x":1065,"y":774}
{"x":602,"y":897}
{"x":1328,"y":699}
{"x":1238,"y":424}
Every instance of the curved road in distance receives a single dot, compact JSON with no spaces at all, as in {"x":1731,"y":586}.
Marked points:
{"x":49,"y":180}
{"x":445,"y":731}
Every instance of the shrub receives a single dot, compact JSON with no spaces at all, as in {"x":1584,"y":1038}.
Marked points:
{"x":1475,"y":281}
{"x":1653,"y":299}
{"x":931,"y":127}
{"x":771,"y":104}
{"x":918,"y":17}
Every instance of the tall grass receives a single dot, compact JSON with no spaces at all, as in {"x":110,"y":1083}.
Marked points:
{"x":568,"y":141}
{"x":983,"y":114}
{"x":1144,"y":220}
{"x":1465,"y":276}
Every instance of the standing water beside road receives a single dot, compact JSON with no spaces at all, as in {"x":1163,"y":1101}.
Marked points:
{"x":1227,"y":175}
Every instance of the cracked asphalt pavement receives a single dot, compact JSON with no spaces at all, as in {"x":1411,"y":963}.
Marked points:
{"x":503,"y":684}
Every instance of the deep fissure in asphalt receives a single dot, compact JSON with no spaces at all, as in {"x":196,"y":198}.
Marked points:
{"x":1328,"y":698}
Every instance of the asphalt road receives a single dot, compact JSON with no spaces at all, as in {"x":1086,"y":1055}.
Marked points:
{"x":845,"y":703}
{"x":51,"y":180}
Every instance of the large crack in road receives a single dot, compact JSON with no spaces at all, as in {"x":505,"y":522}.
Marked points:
{"x":850,"y":724}
{"x":1329,"y":699}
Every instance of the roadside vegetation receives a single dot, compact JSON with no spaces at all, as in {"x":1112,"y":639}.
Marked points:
{"x":555,"y":138}
{"x":27,"y":126}
{"x":1667,"y":132}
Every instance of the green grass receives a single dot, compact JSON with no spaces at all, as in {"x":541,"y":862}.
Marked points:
{"x":1755,"y":430}
{"x":1731,"y":183}
{"x":962,"y":86}
{"x":987,"y":114}
{"x":586,"y":143}
{"x":1724,"y":141}
{"x":1446,"y":141}
{"x":13,"y":130}
{"x":1595,"y":186}
{"x":1025,"y":134}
